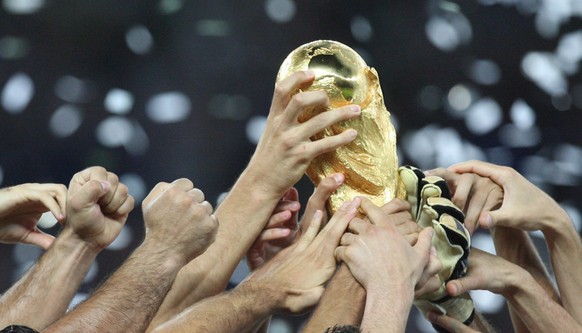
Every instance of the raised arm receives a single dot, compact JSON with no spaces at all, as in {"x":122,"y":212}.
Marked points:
{"x":280,"y":160}
{"x":290,"y":282}
{"x":179,"y":226}
{"x":383,"y":261}
{"x":70,"y":256}
{"x":528,"y":208}
{"x":531,"y":302}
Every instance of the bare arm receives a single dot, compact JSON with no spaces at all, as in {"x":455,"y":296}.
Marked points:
{"x":69,"y":258}
{"x":531,"y":302}
{"x":179,"y":226}
{"x":65,"y":265}
{"x":291,"y":282}
{"x":342,"y":303}
{"x":526,"y":207}
{"x":280,"y":160}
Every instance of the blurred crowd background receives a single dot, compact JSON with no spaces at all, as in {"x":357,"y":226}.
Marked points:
{"x":161,"y":89}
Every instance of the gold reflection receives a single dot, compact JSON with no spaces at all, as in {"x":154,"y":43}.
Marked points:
{"x":370,"y":162}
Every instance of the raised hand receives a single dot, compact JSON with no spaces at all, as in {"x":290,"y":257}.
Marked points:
{"x":472,"y":193}
{"x":299,"y":272}
{"x":285,"y":149}
{"x":21,"y":207}
{"x":178,"y":220}
{"x":524,"y":205}
{"x":97,"y":206}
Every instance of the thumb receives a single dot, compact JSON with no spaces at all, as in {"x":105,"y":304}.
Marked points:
{"x":462,"y":285}
{"x":490,"y":219}
{"x":91,"y":192}
{"x":39,"y":238}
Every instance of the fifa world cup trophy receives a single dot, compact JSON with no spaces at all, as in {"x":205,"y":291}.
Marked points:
{"x":370,"y":162}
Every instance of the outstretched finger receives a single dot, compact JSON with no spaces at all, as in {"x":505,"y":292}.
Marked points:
{"x":495,"y":172}
{"x":39,"y":238}
{"x":287,"y":86}
{"x":49,"y":202}
{"x":312,"y":231}
{"x":334,"y":230}
{"x":319,"y":197}
{"x":374,"y":213}
{"x":449,"y":324}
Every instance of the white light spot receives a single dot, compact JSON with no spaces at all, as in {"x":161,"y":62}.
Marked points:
{"x":484,"y":242}
{"x":74,"y":90}
{"x":459,"y":97}
{"x":118,"y":101}
{"x":92,"y":272}
{"x":280,"y":11}
{"x":522,"y":115}
{"x":123,"y":239}
{"x":515,"y":137}
{"x":135,"y":184}
{"x":225,"y":106}
{"x":77,"y":299}
{"x":255,"y":127}
{"x":139,"y":143}
{"x":442,"y":34}
{"x":17,"y":93}
{"x":220,"y":199}
{"x":575,"y":216}
{"x":569,"y":158}
{"x":543,"y":71}
{"x":483,"y":116}
{"x":114,"y":131}
{"x":361,"y":29}
{"x":47,"y":221}
{"x":65,"y":121}
{"x":240,"y":273}
{"x":485,"y":72}
{"x":279,"y":325}
{"x":170,"y":107}
{"x":569,"y":50}
{"x":139,"y":40}
{"x":22,"y":7}
{"x":487,"y":302}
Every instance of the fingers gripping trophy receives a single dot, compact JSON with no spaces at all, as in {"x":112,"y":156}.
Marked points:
{"x":370,"y":162}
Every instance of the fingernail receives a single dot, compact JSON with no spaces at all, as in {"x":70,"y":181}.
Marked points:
{"x":431,"y":232}
{"x":356,"y":109}
{"x":339,"y":178}
{"x":352,"y":133}
{"x":433,"y":251}
{"x":309,"y":73}
{"x":428,"y":172}
{"x":455,"y":289}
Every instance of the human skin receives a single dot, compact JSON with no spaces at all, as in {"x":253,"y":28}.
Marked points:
{"x":291,"y":282}
{"x":91,"y":192}
{"x":479,"y":195}
{"x":21,"y":207}
{"x":280,"y":160}
{"x":179,"y":226}
{"x":528,"y":208}
{"x":538,"y":311}
{"x":388,"y":268}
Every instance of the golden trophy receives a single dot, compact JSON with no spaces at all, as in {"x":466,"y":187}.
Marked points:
{"x":370,"y":162}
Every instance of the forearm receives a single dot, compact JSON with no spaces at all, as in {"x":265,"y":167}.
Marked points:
{"x":516,"y":247}
{"x":566,"y":255}
{"x":53,"y":280}
{"x":240,"y":310}
{"x":242,"y":216}
{"x":536,"y":309}
{"x":342,"y":303}
{"x":127,"y":301}
{"x":387,"y":309}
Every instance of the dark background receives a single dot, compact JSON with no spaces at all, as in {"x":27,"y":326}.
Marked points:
{"x":87,"y":82}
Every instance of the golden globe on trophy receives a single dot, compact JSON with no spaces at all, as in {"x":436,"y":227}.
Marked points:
{"x":370,"y":162}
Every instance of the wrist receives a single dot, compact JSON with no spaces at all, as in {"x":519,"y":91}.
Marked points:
{"x":168,"y":258}
{"x":514,"y":281}
{"x":70,"y":241}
